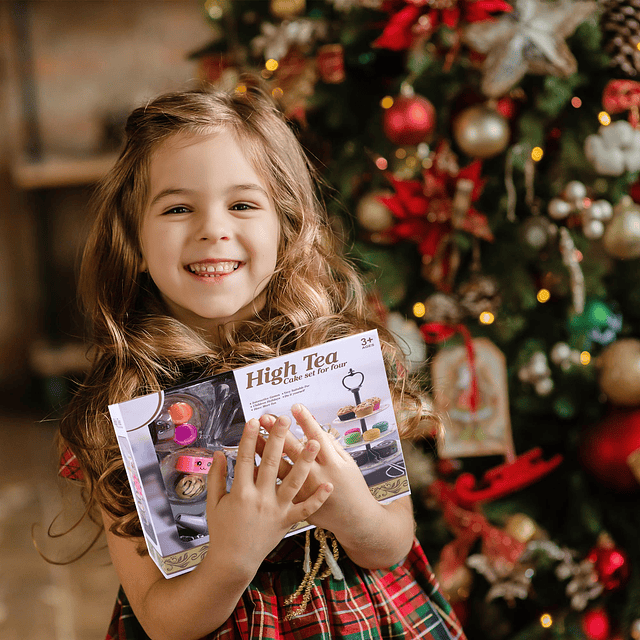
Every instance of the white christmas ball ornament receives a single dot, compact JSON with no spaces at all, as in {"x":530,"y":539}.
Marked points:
{"x":544,"y":386}
{"x":593,"y":229}
{"x":538,"y":364}
{"x":601,"y":210}
{"x":575,"y":192}
{"x":559,"y":209}
{"x":561,"y":355}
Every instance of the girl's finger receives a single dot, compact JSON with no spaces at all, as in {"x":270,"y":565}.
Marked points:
{"x":283,"y":468}
{"x":292,"y":484}
{"x":292,"y":446}
{"x":217,"y":478}
{"x":246,"y":459}
{"x":302,"y":510}
{"x":272,"y":453}
{"x":313,"y":431}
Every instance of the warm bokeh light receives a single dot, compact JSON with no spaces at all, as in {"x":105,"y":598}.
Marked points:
{"x":486,"y":317}
{"x":386,"y":102}
{"x":536,"y":154}
{"x":576,"y":102}
{"x":277,"y":93}
{"x":214,"y":9}
{"x":604,"y":118}
{"x":543,"y":295}
{"x":401,"y":153}
{"x":585,"y":358}
{"x":546,"y":620}
{"x":419,"y":310}
{"x":271,"y":64}
{"x":381,"y":163}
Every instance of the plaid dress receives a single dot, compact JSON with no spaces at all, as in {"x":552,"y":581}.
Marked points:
{"x":402,"y":602}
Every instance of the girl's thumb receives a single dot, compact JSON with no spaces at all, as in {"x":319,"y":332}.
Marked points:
{"x":217,"y":477}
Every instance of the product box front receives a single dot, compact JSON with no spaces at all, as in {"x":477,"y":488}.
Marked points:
{"x":167,"y":439}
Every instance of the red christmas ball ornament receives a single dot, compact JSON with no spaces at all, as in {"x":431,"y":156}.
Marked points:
{"x":605,"y":447}
{"x":595,"y":624}
{"x":611,"y":563}
{"x":409,"y":120}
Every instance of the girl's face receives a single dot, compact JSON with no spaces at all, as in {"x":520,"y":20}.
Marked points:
{"x":209,"y":231}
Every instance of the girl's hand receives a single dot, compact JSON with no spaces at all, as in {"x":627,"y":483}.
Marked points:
{"x":332,"y":464}
{"x":253,"y":517}
{"x":373,"y":535}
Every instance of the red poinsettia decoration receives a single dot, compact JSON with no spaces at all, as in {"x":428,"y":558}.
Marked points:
{"x":428,"y":211}
{"x":420,"y":18}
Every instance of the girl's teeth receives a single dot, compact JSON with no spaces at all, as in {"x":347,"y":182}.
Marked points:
{"x":221,"y":267}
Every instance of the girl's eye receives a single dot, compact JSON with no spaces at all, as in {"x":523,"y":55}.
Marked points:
{"x":241,"y":206}
{"x":178,"y":209}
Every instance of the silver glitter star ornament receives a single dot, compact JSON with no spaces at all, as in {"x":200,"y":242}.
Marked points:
{"x":531,"y":39}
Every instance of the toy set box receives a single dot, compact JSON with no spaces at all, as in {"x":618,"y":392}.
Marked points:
{"x":167,"y":439}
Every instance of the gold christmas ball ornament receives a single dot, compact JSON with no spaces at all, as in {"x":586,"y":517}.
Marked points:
{"x":481,"y":132}
{"x":521,"y":527}
{"x":287,"y":8}
{"x":621,"y":238}
{"x":373,"y":215}
{"x":538,"y":231}
{"x":457,"y":585}
{"x":619,"y":372}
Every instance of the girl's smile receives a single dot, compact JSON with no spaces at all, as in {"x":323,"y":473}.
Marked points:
{"x":210,"y":231}
{"x":212,"y":268}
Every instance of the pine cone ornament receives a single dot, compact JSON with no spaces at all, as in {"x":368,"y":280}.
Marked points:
{"x":620,"y":25}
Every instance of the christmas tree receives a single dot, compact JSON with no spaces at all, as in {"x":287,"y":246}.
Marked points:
{"x":481,"y":161}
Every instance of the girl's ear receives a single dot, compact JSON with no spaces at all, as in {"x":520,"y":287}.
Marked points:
{"x":143,"y":266}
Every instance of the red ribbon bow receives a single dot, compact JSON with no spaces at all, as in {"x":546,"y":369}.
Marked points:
{"x":623,"y":95}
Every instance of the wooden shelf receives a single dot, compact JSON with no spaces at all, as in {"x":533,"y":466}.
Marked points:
{"x":60,"y":171}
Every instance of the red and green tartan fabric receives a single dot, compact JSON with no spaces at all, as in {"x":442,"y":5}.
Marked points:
{"x":69,"y":467}
{"x":401,"y":603}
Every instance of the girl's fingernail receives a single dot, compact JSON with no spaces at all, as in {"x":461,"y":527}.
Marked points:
{"x":297,"y":407}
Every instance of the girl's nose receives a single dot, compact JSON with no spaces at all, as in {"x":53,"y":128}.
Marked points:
{"x":214,"y":225}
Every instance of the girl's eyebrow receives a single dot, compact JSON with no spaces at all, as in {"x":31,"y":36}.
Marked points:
{"x":248,"y":187}
{"x":170,"y":192}
{"x":236,"y":187}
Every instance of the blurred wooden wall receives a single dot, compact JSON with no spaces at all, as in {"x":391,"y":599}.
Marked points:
{"x":70,"y":71}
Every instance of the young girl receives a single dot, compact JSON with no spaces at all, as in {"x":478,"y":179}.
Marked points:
{"x":210,"y":250}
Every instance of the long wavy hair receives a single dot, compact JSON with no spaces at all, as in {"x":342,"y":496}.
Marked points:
{"x":315,"y":294}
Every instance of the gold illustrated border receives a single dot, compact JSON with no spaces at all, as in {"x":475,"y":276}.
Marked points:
{"x":181,"y":561}
{"x":390,"y":488}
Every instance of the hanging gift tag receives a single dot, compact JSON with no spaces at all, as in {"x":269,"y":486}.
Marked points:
{"x":470,"y":392}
